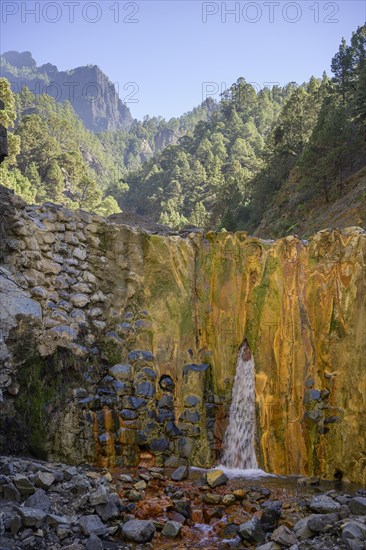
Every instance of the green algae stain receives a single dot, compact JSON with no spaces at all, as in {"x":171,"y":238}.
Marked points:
{"x":35,"y":395}
{"x":44,"y":383}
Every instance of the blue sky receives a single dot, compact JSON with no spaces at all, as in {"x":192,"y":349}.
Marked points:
{"x":166,"y":56}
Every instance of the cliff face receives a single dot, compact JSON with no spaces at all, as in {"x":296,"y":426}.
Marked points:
{"x":92,"y":95}
{"x":164,"y":138}
{"x":301,"y":306}
{"x":120,"y":346}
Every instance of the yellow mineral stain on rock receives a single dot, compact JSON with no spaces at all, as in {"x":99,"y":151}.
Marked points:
{"x":301,"y":305}
{"x":295,"y":302}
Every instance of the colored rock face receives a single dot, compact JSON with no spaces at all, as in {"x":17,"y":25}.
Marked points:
{"x":145,"y":368}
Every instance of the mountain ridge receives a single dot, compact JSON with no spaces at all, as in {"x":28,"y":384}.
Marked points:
{"x":92,"y":95}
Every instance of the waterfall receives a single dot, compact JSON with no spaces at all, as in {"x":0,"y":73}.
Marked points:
{"x":239,"y":450}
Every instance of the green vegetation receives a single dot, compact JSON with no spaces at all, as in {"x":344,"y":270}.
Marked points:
{"x":205,"y":176}
{"x":222,"y":165}
{"x":301,"y":140}
{"x":318,"y":140}
{"x":52,"y":156}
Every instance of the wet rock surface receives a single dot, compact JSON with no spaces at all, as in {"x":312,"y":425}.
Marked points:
{"x":56,"y":506}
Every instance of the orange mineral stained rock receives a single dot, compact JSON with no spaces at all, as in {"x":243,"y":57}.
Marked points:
{"x":189,"y":302}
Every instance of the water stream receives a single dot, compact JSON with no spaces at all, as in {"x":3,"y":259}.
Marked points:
{"x":239,"y":444}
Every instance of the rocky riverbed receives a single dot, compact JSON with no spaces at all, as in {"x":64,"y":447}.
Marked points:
{"x":53,"y":506}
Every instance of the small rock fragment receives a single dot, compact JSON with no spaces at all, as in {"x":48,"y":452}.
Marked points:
{"x":283,"y":536}
{"x":216,"y":478}
{"x":171,"y":529}
{"x":180,"y":473}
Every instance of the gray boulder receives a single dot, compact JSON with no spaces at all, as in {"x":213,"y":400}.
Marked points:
{"x":270,"y":515}
{"x":24,"y":486}
{"x":39,"y":500}
{"x":55,"y":520}
{"x":92,"y":525}
{"x":171,"y":529}
{"x":180,"y":473}
{"x":44,"y":480}
{"x":109,"y":510}
{"x":70,"y":472}
{"x":251,"y":531}
{"x":31,"y":517}
{"x":121,"y":372}
{"x":14,"y":302}
{"x":79,"y":485}
{"x":321,"y":522}
{"x":284,"y":537}
{"x":183,"y":507}
{"x":15,"y":524}
{"x":323,"y":504}
{"x":357,"y":506}
{"x":145,"y":389}
{"x":10,"y":492}
{"x":302,"y":529}
{"x":216,"y":478}
{"x":354,"y":530}
{"x":100,"y":496}
{"x":94,"y":543}
{"x":138,"y":530}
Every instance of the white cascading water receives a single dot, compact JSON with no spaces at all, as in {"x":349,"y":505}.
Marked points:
{"x":239,"y":445}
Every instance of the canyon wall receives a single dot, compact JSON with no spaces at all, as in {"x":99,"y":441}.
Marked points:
{"x":119,"y":346}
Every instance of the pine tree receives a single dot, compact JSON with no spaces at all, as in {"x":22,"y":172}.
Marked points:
{"x":358,"y":45}
{"x":54,"y":182}
{"x":107,"y":207}
{"x":26,"y":100}
{"x":87,"y":195}
{"x":7,"y":115}
{"x":33,"y":176}
{"x":199,"y":216}
{"x":359,"y":104}
{"x":342,"y":68}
